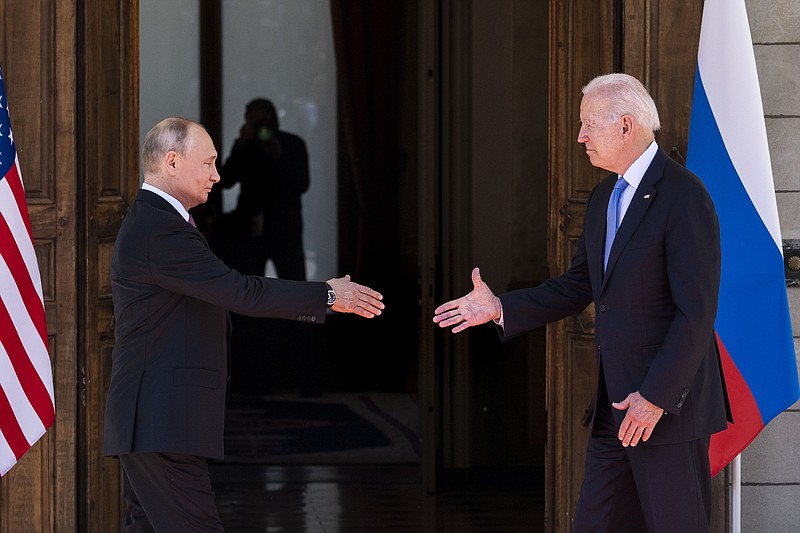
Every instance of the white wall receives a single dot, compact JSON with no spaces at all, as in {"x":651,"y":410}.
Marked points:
{"x":282,"y":50}
{"x":169,"y":71}
{"x":277,"y":49}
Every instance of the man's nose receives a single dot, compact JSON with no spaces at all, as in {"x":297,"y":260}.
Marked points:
{"x":582,"y":137}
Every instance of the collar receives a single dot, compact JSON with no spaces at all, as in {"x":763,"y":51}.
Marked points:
{"x":636,"y":171}
{"x":172,"y":201}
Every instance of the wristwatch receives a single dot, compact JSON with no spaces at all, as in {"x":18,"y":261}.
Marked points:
{"x":331,"y":296}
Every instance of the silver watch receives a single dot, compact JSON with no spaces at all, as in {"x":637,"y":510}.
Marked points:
{"x":331,"y":296}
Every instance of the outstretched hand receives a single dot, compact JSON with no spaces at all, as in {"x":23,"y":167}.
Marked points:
{"x":354,"y":298}
{"x":477,"y":307}
{"x":639,"y":421}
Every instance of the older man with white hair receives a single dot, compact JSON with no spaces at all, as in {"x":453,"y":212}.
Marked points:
{"x":649,"y":259}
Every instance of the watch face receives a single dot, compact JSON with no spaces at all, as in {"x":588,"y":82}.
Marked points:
{"x":331,"y":298}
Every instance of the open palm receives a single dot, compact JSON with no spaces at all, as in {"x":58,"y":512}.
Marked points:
{"x":477,"y":307}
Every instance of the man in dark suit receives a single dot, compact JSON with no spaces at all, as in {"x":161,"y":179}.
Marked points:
{"x":649,"y":259}
{"x":271,"y":165}
{"x":166,"y":400}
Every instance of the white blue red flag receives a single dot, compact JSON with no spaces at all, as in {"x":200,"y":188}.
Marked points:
{"x":27,"y":407}
{"x":728,"y":150}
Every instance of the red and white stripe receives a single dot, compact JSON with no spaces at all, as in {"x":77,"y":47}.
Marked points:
{"x":27,"y":405}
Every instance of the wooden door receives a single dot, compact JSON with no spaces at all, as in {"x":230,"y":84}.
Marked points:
{"x":37,"y":51}
{"x":108,"y":179}
{"x":657,"y":43}
{"x":582,"y":47}
{"x":71,"y":75}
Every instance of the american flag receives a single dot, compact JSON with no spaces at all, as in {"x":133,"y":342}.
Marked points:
{"x":27,"y":406}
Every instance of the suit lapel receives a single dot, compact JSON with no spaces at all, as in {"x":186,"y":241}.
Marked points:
{"x":644,"y":196}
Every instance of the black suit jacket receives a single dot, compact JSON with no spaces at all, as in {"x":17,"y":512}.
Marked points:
{"x":169,"y":365}
{"x":655,"y":305}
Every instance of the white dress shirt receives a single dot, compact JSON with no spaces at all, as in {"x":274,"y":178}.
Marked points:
{"x":172,"y":201}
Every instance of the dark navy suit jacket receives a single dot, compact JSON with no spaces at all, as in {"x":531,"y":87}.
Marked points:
{"x":171,"y":299}
{"x":655,"y":305}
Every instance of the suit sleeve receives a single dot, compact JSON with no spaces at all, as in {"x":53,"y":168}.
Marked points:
{"x":693,"y":270}
{"x":554,"y":299}
{"x":181,"y":262}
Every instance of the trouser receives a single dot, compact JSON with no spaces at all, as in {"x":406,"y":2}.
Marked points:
{"x":168,"y":493}
{"x":645,"y":488}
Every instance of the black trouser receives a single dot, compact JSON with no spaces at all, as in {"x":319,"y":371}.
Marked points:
{"x":168,"y":493}
{"x":643,"y":488}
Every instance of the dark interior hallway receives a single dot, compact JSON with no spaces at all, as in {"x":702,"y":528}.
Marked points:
{"x":349,"y":462}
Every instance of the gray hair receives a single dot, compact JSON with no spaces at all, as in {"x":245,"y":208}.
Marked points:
{"x":625,"y":95}
{"x":171,"y":134}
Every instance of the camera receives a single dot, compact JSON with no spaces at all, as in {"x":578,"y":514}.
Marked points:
{"x":263,"y":132}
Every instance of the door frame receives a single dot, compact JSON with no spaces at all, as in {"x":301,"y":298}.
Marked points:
{"x":428,"y":233}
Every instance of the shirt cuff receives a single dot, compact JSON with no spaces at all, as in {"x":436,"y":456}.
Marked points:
{"x":501,"y":321}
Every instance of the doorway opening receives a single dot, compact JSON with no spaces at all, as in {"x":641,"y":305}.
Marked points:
{"x":362,"y":376}
{"x":300,"y":393}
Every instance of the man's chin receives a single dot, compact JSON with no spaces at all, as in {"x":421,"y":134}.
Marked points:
{"x":200,"y":200}
{"x":596,"y":162}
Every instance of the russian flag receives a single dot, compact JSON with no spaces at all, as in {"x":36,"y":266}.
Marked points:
{"x":728,"y":151}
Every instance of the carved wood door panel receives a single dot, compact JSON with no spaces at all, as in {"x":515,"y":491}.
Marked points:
{"x":108,"y":176}
{"x":582,"y":37}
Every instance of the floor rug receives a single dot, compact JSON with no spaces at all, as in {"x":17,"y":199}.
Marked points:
{"x":331,"y":429}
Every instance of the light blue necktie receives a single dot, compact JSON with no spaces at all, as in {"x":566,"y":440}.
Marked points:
{"x":613,"y":216}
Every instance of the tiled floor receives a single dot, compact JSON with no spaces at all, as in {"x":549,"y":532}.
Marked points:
{"x":364,"y":498}
{"x":266,"y":490}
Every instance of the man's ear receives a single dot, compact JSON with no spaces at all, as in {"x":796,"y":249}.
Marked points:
{"x":627,"y":124}
{"x":171,"y":162}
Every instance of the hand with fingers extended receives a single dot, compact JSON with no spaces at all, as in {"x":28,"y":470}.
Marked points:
{"x":477,"y":307}
{"x":639,"y":421}
{"x":354,"y":298}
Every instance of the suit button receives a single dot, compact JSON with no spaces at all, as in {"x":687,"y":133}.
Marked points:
{"x":313,"y":319}
{"x":679,"y":405}
{"x":602,"y":307}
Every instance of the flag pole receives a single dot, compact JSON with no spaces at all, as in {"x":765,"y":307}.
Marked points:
{"x":736,"y":494}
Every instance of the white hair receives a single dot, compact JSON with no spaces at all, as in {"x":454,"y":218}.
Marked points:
{"x":625,"y":95}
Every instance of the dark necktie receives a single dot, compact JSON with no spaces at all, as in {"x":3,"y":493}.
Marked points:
{"x":613,"y":216}
{"x":191,"y":221}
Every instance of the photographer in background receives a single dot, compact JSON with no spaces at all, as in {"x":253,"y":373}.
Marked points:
{"x":272,"y":167}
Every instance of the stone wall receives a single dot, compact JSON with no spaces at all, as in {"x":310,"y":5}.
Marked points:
{"x":771,"y":465}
